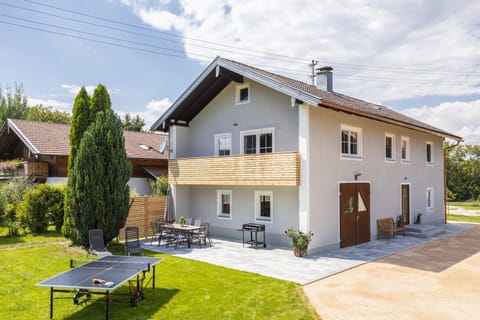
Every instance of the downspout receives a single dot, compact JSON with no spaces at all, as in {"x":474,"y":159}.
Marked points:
{"x":445,"y":152}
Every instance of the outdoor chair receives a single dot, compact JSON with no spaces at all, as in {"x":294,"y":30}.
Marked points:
{"x":204,"y":234}
{"x":132,"y":241}
{"x":165,"y":234}
{"x":96,"y":243}
{"x":386,"y":227}
{"x":188,"y":221}
{"x":156,"y":232}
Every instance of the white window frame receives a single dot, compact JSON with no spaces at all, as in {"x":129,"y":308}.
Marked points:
{"x":392,"y":136}
{"x":256,"y":132}
{"x":221,"y":215}
{"x":431,"y":153}
{"x":430,"y":199}
{"x":258,"y":218}
{"x":238,"y":89}
{"x":351,"y":129}
{"x":407,"y":149}
{"x":217,"y":139}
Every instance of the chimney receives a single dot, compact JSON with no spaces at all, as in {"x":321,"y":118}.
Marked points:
{"x":325,"y":78}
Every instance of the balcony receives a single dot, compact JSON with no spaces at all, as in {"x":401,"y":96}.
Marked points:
{"x":269,"y":169}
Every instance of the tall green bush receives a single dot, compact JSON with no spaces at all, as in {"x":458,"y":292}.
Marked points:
{"x":81,"y":119}
{"x":41,"y":207}
{"x":99,"y":180}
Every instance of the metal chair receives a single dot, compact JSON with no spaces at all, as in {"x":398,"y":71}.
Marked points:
{"x":205,"y":234}
{"x":96,"y":243}
{"x":156,"y":232}
{"x":132,"y":241}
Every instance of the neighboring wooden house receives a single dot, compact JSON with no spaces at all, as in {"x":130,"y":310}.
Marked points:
{"x":44,"y":147}
{"x":247,"y":145}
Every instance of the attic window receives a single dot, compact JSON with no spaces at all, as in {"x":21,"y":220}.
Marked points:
{"x":242,"y":94}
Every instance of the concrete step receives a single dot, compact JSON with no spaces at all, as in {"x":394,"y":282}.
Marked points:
{"x":424,"y":230}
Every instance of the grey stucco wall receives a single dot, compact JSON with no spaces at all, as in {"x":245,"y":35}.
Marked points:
{"x":203,"y":204}
{"x":266,"y":109}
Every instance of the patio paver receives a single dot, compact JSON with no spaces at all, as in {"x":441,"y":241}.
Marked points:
{"x":280,"y":262}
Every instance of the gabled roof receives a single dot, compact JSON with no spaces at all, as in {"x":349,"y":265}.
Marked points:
{"x":45,"y":138}
{"x":222,"y":71}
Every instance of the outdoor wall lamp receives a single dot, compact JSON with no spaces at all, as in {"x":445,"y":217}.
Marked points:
{"x":356,"y":175}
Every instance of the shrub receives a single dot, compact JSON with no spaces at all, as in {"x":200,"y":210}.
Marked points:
{"x":40,"y":207}
{"x":160,"y":186}
{"x":11,"y":194}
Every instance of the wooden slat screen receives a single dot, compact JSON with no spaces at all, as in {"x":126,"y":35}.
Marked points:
{"x":280,"y":168}
{"x":143,"y":211}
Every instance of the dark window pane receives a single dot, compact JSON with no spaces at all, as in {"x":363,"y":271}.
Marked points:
{"x":388,"y":147}
{"x":265,"y":206}
{"x":225,"y":204}
{"x":344,"y":141}
{"x":243,"y":95}
{"x":250,"y":144}
{"x":353,"y":143}
{"x":266,"y":143}
{"x":429,"y":152}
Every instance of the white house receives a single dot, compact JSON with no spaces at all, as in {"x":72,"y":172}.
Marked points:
{"x":247,"y":145}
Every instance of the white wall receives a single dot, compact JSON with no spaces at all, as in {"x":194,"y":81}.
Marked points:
{"x":328,"y":169}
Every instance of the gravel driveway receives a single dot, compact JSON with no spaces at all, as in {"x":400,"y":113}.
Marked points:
{"x":439,"y":280}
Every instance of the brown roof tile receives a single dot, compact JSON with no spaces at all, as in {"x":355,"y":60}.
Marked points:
{"x":53,"y":139}
{"x":346,"y":103}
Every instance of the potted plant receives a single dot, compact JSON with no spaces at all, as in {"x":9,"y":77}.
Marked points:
{"x":181,"y":220}
{"x":300,"y":241}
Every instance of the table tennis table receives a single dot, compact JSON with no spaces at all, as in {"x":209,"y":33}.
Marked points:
{"x":101,"y":277}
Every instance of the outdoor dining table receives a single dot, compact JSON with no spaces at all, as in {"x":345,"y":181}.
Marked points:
{"x":185,"y":229}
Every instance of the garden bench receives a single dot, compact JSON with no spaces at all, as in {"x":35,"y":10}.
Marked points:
{"x":386,"y":226}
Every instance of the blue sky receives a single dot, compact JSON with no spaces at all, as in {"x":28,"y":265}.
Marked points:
{"x":418,"y":57}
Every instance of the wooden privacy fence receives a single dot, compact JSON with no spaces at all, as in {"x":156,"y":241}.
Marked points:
{"x":143,"y":211}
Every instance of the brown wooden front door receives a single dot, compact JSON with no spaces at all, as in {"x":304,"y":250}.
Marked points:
{"x":354,"y":213}
{"x":406,"y":203}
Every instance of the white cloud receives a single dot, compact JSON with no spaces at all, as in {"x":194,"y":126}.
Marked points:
{"x":460,"y":118}
{"x":154,"y":109}
{"x":73,"y":89}
{"x":380,"y":50}
{"x":54,"y":104}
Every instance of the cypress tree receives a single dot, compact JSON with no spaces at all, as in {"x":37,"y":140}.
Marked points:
{"x":100,"y":101}
{"x":81,"y":119}
{"x":99,"y":189}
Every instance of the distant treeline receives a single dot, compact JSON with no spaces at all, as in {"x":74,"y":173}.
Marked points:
{"x":463,"y":172}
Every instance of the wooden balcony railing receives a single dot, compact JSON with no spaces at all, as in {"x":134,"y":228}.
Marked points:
{"x":279,"y":169}
{"x":36,"y":169}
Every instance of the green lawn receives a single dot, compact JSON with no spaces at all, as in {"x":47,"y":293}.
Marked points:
{"x":185,"y":289}
{"x":467,"y":205}
{"x":454,"y":217}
